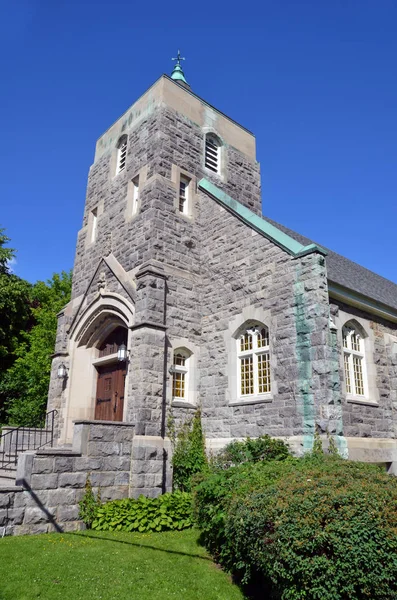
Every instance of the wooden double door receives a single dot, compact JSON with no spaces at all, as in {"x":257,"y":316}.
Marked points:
{"x":110,"y":392}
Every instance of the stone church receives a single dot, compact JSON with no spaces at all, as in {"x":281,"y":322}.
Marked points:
{"x":185,"y":295}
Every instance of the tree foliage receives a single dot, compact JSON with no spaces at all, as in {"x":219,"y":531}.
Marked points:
{"x":15,"y":312}
{"x":25,"y":384}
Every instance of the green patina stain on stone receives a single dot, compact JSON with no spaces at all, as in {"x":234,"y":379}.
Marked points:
{"x":302,"y":348}
{"x":339,"y":438}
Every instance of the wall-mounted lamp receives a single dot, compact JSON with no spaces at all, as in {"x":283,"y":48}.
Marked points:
{"x":62,"y":371}
{"x":122,"y":353}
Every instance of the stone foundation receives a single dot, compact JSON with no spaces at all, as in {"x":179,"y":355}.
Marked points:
{"x":151,"y":473}
{"x":50,"y":483}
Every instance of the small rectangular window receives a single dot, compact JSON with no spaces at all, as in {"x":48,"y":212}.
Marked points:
{"x":94,"y":220}
{"x":135,"y":195}
{"x":184,"y":195}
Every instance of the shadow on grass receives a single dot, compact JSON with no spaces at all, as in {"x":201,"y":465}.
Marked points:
{"x":257,"y":588}
{"x":135,"y":544}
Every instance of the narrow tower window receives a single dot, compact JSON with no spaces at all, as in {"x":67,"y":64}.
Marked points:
{"x":213,"y":153}
{"x":94,"y":222}
{"x":135,"y":195}
{"x":184,"y":196}
{"x":180,"y":374}
{"x":121,"y":154}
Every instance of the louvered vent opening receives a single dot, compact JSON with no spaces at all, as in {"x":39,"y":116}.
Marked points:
{"x":212,"y":154}
{"x":122,"y":155}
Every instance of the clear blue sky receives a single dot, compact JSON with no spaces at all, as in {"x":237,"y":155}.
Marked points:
{"x":314,"y":80}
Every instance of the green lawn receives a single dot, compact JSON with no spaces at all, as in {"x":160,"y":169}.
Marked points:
{"x":95,"y":565}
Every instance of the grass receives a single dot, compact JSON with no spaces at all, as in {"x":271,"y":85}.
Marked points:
{"x":101,"y":565}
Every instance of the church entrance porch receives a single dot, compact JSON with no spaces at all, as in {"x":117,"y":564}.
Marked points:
{"x":98,"y":367}
{"x":110,"y":393}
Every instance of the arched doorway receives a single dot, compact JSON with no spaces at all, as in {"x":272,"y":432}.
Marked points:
{"x":109,"y":400}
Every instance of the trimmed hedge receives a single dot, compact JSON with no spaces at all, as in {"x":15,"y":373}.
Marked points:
{"x":313,"y":528}
{"x":169,"y":511}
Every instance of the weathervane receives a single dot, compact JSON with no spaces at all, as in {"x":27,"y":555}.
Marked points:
{"x":177,"y":72}
{"x":178,"y":58}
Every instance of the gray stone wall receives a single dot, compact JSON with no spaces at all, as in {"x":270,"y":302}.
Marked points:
{"x":243,"y":270}
{"x":151,"y":473}
{"x":196,"y":278}
{"x":50,"y":483}
{"x":364,"y":419}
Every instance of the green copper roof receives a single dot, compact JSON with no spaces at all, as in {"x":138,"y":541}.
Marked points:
{"x":177,"y":72}
{"x":268,"y":230}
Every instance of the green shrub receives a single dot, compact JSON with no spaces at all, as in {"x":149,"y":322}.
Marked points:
{"x":263,"y":448}
{"x":313,"y":528}
{"x":213,"y":497}
{"x":189,"y":455}
{"x":89,"y":504}
{"x":170,"y":511}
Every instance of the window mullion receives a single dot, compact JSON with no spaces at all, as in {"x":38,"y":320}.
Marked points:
{"x":352,"y":378}
{"x":255,"y":372}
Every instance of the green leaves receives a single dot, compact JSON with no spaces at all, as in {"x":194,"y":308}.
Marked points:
{"x":89,"y":504}
{"x":189,"y":455}
{"x":167,"y":512}
{"x":24,"y":385}
{"x":263,"y":448}
{"x":319,"y":527}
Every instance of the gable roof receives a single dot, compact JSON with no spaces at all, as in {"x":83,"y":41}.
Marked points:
{"x":349,"y":274}
{"x":347,"y":280}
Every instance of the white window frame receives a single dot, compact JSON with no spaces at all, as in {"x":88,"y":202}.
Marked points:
{"x":94,"y":224}
{"x":121,"y":158}
{"x":184,"y":181}
{"x":135,"y":195}
{"x":349,"y":354}
{"x":254,"y":353}
{"x":182,"y":370}
{"x":209,"y":155}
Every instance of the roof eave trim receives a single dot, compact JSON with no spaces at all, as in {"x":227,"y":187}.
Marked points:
{"x":353,"y":298}
{"x":272,"y":233}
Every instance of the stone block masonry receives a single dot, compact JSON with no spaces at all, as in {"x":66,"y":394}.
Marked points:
{"x":50,"y":483}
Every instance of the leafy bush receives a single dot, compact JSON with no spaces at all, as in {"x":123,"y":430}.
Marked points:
{"x":89,"y":504}
{"x":311,"y":528}
{"x":170,"y":511}
{"x":250,"y":450}
{"x":213,"y":497}
{"x":189,"y":455}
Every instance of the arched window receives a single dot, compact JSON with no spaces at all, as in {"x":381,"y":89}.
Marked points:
{"x":180,"y":374}
{"x":213,"y":153}
{"x":254,"y":361}
{"x":354,"y":361}
{"x":121,"y":154}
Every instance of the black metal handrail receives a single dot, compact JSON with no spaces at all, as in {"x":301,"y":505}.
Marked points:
{"x":20,"y":439}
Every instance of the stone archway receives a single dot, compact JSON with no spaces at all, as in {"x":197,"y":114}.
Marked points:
{"x":92,"y":359}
